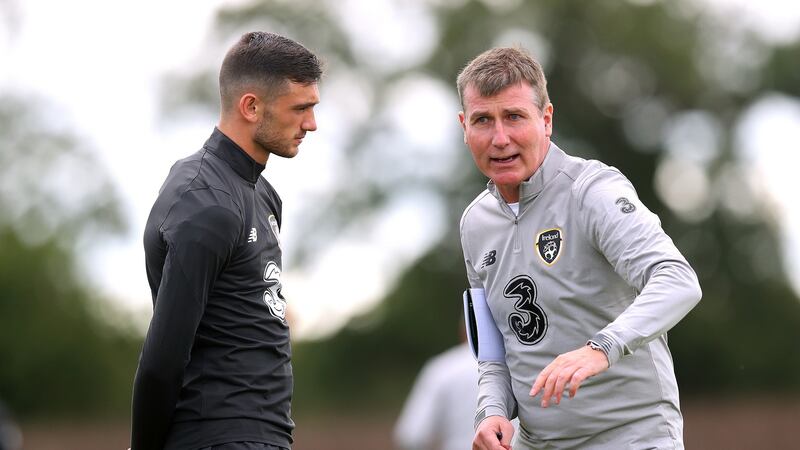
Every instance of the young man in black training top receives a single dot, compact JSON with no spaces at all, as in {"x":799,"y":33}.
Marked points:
{"x":215,"y":367}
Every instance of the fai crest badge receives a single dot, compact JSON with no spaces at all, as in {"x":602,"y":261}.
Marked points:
{"x":548,"y":245}
{"x":273,"y":224}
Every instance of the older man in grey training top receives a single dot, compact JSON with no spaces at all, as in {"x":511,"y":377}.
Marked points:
{"x":581,"y":281}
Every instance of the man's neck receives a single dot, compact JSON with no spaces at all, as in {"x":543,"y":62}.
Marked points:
{"x":509,"y":193}
{"x":242,"y":138}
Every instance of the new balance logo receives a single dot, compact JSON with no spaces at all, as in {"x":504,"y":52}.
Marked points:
{"x":253,"y":235}
{"x":489,"y":258}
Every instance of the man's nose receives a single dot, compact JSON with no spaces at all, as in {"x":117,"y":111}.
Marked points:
{"x":310,"y":122}
{"x":500,"y":137}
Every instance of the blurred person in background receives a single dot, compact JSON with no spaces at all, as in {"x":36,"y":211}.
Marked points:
{"x":10,"y":434}
{"x":438,"y":413}
{"x":215,"y":368}
{"x":582,"y":282}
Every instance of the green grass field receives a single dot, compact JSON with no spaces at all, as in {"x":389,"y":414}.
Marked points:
{"x":710,"y":424}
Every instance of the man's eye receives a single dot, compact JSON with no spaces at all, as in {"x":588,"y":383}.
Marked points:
{"x":482,"y":119}
{"x":514,"y":116}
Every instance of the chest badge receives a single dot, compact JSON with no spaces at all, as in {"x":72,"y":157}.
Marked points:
{"x":273,"y":224}
{"x":549,"y":244}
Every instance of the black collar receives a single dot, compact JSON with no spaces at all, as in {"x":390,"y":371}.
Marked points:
{"x":225,"y":149}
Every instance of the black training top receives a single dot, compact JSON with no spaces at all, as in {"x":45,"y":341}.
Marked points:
{"x":215,"y":366}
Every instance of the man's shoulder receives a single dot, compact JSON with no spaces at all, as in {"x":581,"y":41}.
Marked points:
{"x":600,"y":178}
{"x":594,"y":184}
{"x":590,"y":174}
{"x":483,"y":200}
{"x":198,"y":171}
{"x":184,"y":172}
{"x":578,"y":169}
{"x":192,"y":186}
{"x":197,"y":213}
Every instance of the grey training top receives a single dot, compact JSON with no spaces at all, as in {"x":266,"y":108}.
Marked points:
{"x":584,"y":259}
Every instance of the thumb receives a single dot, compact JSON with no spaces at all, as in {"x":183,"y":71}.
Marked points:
{"x":507,"y":432}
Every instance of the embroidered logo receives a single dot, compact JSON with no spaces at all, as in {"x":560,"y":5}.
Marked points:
{"x":549,"y":244}
{"x":253,"y":235}
{"x":489,"y":258}
{"x":273,"y":224}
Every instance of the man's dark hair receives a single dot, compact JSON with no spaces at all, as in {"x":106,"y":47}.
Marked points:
{"x":265,"y":62}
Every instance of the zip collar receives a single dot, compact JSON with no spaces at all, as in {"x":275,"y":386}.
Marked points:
{"x":225,"y":149}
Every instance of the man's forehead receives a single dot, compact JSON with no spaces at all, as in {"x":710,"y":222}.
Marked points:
{"x":519,"y":95}
{"x":304,"y":92}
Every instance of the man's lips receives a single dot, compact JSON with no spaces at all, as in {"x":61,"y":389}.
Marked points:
{"x":505,"y":160}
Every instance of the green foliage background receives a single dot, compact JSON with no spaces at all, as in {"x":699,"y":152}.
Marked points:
{"x":63,"y":350}
{"x":619,"y":74}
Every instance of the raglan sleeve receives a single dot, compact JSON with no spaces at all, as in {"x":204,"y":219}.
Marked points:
{"x":495,"y":395}
{"x":632,"y":240}
{"x":200,"y":235}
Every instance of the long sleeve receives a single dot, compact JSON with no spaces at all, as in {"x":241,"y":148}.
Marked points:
{"x":199,"y":239}
{"x":632,"y":240}
{"x":495,"y":396}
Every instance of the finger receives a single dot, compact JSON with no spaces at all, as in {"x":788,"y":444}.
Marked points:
{"x":561,"y":382}
{"x":549,"y":387}
{"x":476,"y":444}
{"x":575,"y":381}
{"x":479,"y":443}
{"x":540,"y":380}
{"x":506,"y":434}
{"x":486,"y":440}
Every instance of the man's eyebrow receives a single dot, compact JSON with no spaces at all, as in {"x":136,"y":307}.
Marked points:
{"x":478,"y":112}
{"x":306,"y":104}
{"x":515,"y":110}
{"x":510,"y":110}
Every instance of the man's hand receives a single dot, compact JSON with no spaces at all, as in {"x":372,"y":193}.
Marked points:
{"x":493,"y":433}
{"x":568,"y":369}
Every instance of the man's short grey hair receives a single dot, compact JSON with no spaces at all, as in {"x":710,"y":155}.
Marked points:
{"x":501,"y":67}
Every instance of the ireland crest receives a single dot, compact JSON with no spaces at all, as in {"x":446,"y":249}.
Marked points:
{"x":548,"y":245}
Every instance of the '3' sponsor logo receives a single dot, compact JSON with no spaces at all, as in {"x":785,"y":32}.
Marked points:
{"x":272,"y":296}
{"x":528,"y":321}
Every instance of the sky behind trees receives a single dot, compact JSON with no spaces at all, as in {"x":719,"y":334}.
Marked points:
{"x":104,"y":80}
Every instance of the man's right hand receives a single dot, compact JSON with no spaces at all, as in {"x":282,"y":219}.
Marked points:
{"x":493,"y":433}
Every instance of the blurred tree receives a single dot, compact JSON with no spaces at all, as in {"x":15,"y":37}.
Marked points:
{"x":60,"y":353}
{"x":654,"y":88}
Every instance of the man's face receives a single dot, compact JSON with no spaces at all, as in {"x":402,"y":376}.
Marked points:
{"x":286,"y":119}
{"x":507,"y":134}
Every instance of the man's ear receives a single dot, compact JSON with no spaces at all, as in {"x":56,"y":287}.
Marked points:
{"x":462,"y":120}
{"x":250,"y":107}
{"x":547,"y":114}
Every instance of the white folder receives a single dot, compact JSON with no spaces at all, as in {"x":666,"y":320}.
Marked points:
{"x":482,"y":333}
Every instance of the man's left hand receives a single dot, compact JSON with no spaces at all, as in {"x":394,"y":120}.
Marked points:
{"x":568,"y":369}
